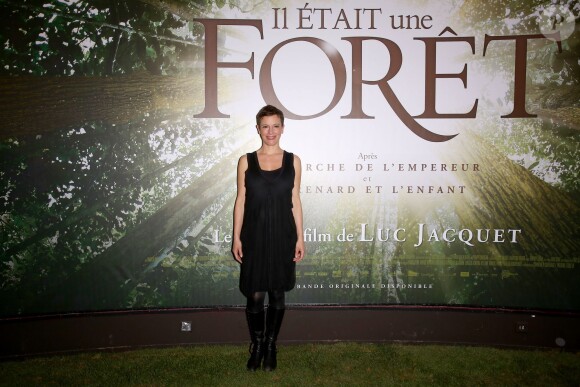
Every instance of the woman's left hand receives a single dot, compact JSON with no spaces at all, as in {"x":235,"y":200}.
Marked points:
{"x":299,"y":251}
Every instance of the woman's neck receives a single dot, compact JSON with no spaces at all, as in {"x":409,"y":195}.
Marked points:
{"x":270,"y":150}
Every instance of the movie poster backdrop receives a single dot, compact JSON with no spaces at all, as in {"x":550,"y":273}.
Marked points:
{"x":439,"y":143}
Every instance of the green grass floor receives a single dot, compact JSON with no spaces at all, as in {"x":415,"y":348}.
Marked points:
{"x":302,"y":365}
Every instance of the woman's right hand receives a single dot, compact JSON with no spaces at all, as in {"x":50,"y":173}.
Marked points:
{"x":237,"y":250}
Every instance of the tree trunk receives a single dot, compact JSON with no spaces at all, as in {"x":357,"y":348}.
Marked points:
{"x":508,"y":193}
{"x":503,"y":195}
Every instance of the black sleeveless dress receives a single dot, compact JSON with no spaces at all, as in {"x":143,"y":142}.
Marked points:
{"x":268,"y":232}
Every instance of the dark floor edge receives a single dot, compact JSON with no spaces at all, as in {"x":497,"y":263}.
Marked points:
{"x":122,"y":330}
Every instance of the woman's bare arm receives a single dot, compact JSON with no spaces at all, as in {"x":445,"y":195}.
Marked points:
{"x":300,"y":250}
{"x":239,"y":209}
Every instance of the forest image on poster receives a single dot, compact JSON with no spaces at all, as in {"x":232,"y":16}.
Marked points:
{"x":439,"y":143}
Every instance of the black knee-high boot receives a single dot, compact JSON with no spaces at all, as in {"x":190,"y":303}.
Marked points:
{"x":256,"y":325}
{"x":274,"y":319}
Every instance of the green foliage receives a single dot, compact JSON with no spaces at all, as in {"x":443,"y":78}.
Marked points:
{"x":92,"y":38}
{"x":504,"y":17}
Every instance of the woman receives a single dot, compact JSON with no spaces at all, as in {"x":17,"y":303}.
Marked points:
{"x":267,"y":237}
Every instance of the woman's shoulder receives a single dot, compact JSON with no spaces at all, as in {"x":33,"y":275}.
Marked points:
{"x":243,"y":162}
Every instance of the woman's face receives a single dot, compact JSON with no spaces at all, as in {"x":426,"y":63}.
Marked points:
{"x":270,"y":129}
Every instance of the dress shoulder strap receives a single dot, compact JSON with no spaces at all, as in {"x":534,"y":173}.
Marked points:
{"x":289,"y":159}
{"x":252,"y":160}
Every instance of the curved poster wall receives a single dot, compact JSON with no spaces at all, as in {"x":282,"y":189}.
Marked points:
{"x":439,"y":145}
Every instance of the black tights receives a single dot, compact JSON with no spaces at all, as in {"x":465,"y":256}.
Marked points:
{"x":276,"y":300}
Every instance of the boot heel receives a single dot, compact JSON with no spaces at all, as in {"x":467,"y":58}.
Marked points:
{"x":270,"y":361}
{"x":256,"y":355}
